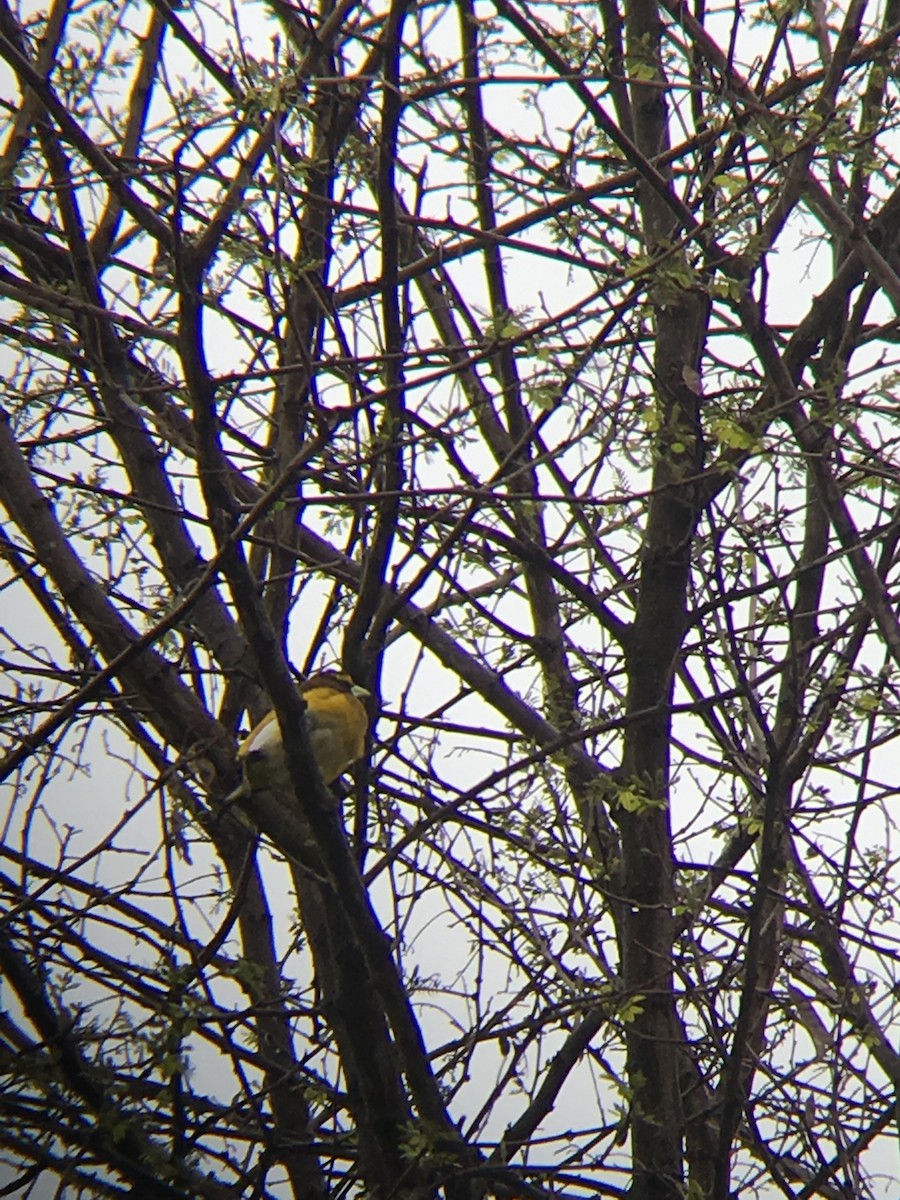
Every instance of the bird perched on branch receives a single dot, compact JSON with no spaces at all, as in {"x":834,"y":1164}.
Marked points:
{"x":336,"y":720}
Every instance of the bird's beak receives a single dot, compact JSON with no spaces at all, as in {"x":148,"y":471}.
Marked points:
{"x":359,"y":692}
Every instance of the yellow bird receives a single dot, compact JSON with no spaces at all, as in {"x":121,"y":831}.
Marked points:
{"x":337,"y":722}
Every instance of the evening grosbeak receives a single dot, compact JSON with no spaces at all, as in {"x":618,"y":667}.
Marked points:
{"x":336,"y":720}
